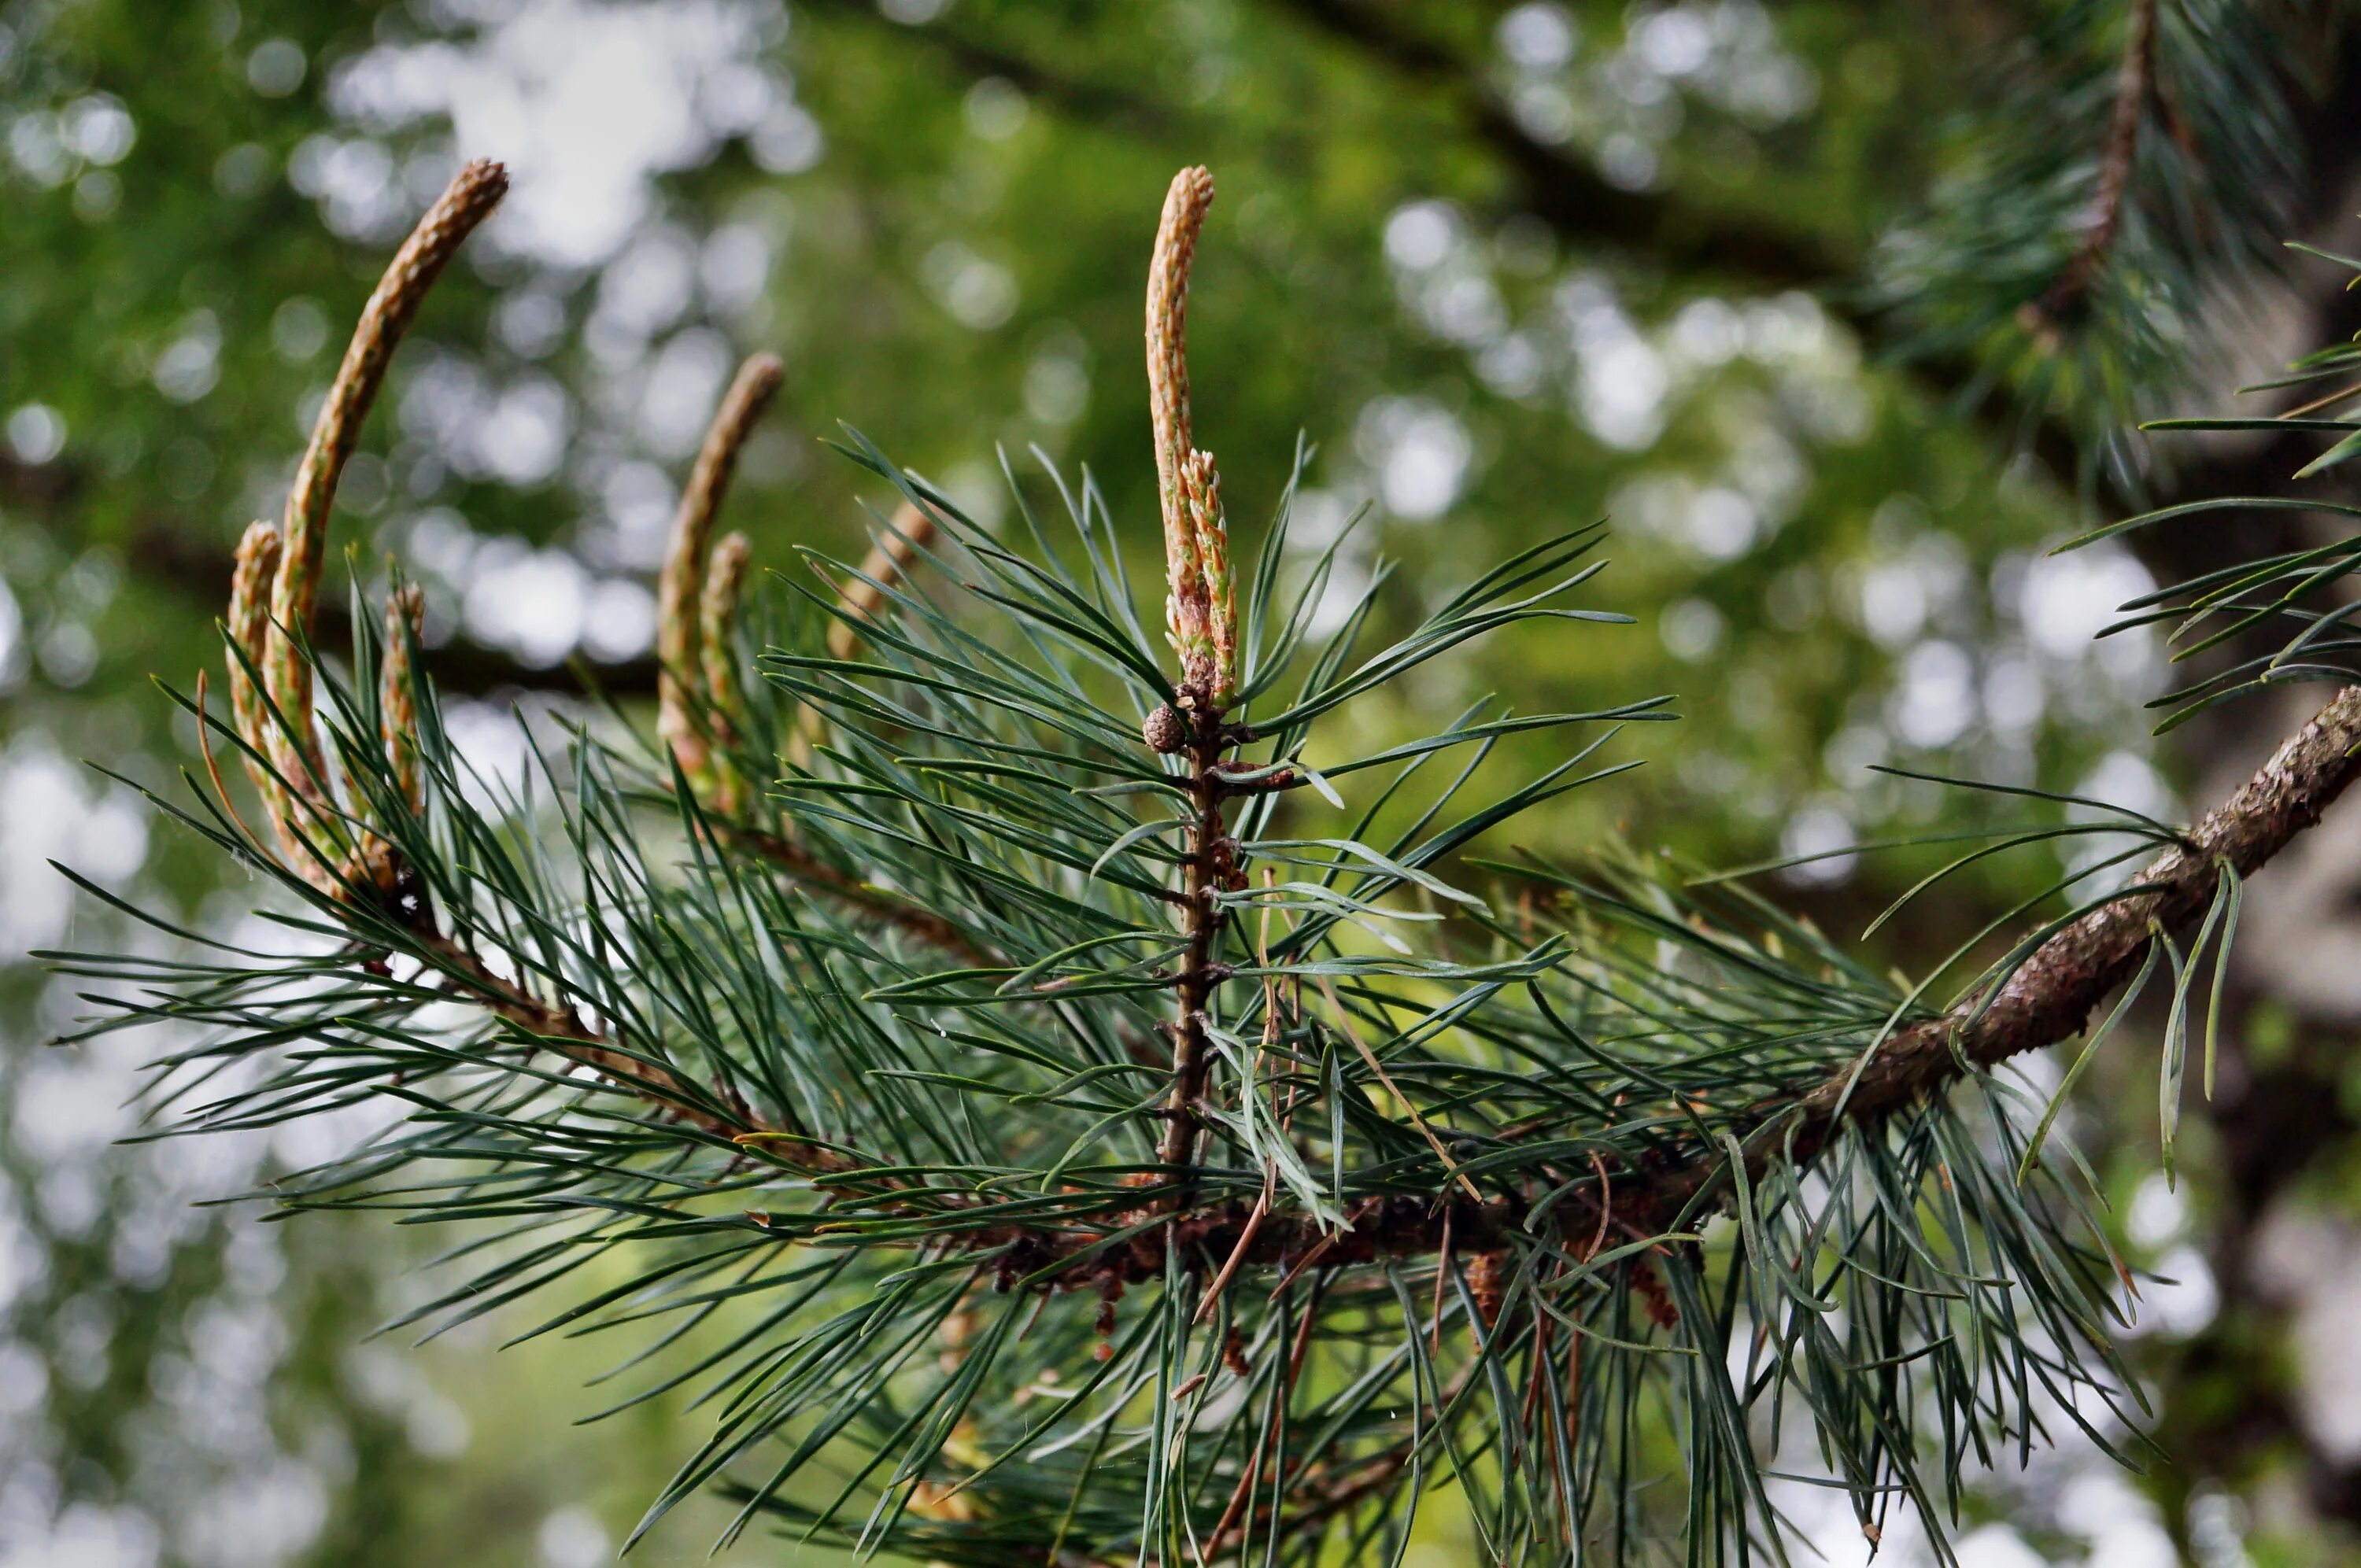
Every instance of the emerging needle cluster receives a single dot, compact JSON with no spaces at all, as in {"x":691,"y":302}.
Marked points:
{"x":277,"y":580}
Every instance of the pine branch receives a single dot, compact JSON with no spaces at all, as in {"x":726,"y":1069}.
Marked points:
{"x":2133,"y":89}
{"x":1522,"y":1135}
{"x":288,"y":770}
{"x":2047,"y":999}
{"x":700,"y":704}
{"x":2051,"y":995}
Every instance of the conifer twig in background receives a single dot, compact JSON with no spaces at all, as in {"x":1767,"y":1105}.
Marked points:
{"x":2134,"y":87}
{"x":2127,"y":178}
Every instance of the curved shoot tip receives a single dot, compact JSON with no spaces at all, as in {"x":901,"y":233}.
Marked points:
{"x":467,"y":202}
{"x":680,"y":673}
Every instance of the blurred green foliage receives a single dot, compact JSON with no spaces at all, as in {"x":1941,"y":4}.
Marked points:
{"x":1509,"y":267}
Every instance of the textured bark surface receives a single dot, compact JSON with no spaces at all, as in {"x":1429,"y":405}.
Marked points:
{"x":2051,"y":995}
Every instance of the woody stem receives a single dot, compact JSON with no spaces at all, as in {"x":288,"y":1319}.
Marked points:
{"x":1203,"y":873}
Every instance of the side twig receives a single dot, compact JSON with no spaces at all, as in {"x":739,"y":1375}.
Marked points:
{"x":2051,"y":995}
{"x":561,"y":1029}
{"x":700,"y":704}
{"x":804,"y":867}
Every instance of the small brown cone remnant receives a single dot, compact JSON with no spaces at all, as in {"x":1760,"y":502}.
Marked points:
{"x":725,"y":583}
{"x":680,"y":596}
{"x":469,"y":199}
{"x":1165,"y":730}
{"x":887,"y":562}
{"x":1488,"y":1281}
{"x":1199,"y":616}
